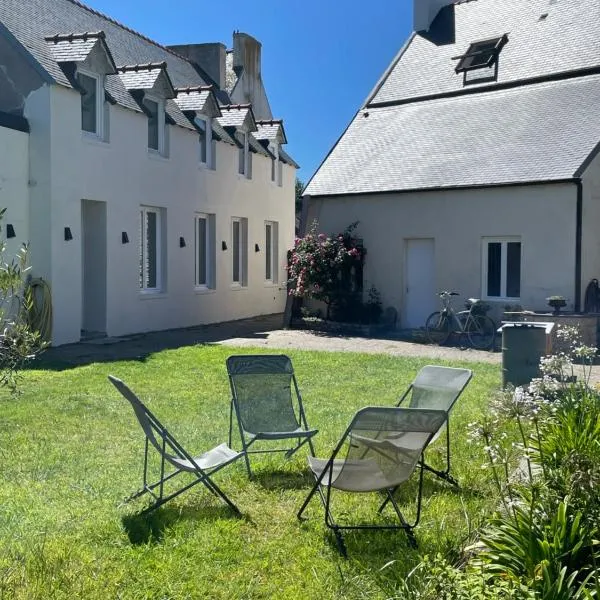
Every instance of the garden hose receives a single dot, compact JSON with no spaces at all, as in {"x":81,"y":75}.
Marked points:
{"x":39,"y":313}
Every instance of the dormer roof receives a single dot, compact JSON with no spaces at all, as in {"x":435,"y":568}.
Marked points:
{"x":149,"y":77}
{"x":271,"y":130}
{"x":238,"y":116}
{"x":83,"y":47}
{"x":200,"y":99}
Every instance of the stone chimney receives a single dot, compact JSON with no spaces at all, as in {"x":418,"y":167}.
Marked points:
{"x":425,"y":11}
{"x":246,"y":55}
{"x":209,"y":57}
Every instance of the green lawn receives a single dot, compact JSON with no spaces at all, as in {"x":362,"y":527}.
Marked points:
{"x":71,"y":450}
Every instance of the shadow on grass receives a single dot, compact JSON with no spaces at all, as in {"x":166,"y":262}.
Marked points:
{"x":140,"y":347}
{"x":150,"y":528}
{"x":282,"y":480}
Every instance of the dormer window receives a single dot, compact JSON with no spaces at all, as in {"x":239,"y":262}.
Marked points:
{"x":204,"y":129}
{"x":155,"y":111}
{"x":243,"y":153}
{"x":92,"y":102}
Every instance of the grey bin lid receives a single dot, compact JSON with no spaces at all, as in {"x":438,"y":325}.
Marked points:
{"x":527,"y":325}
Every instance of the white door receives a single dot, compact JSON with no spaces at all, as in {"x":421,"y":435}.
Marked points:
{"x":419,"y":298}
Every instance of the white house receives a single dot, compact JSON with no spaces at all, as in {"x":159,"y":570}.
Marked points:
{"x":472,"y":165}
{"x":151,"y":182}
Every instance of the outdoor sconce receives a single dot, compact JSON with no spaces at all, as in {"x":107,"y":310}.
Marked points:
{"x":182,"y":242}
{"x":68,"y":234}
{"x":223,"y":245}
{"x":256,"y":248}
{"x":10,"y":231}
{"x":124,"y":238}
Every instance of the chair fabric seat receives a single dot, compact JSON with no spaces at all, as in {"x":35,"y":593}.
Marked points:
{"x":282,"y":435}
{"x":358,"y":475}
{"x":216,"y":457}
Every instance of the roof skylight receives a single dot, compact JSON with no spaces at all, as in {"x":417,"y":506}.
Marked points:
{"x":480,"y":55}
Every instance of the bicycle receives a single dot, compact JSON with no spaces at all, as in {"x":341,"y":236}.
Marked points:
{"x":473,"y":322}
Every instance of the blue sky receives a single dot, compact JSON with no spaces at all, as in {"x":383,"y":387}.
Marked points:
{"x":320,"y":57}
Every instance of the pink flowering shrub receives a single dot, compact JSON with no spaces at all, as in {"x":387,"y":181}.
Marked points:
{"x":325,"y":267}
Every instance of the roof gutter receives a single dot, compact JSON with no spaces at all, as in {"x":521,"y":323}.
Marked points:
{"x":578,"y":234}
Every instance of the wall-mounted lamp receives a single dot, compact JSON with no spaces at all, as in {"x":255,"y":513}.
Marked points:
{"x":68,"y":234}
{"x":223,"y":245}
{"x":10,"y":231}
{"x":124,"y":237}
{"x":182,"y":242}
{"x":256,"y":248}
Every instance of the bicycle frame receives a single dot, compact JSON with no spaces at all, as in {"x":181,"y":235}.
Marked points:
{"x":449,"y":312}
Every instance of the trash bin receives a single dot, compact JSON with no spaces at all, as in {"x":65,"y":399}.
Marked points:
{"x":523,"y":344}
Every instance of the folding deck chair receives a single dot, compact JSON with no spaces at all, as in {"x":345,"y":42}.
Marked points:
{"x":173,"y":453}
{"x":262,"y":399}
{"x":437,"y":388}
{"x":379,"y":451}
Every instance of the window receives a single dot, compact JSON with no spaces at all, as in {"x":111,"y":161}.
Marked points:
{"x":205,"y":140}
{"x":243,"y":154}
{"x":150,"y":249}
{"x":502,"y":268}
{"x":156,"y":124}
{"x":481,"y":55}
{"x":239,"y":247}
{"x":205,"y":251}
{"x":271,"y":251}
{"x":92,"y":102}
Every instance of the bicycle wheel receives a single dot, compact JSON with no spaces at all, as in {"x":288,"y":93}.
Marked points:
{"x":481,"y":331}
{"x":437,"y":327}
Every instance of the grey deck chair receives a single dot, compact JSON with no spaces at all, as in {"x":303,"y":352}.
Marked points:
{"x":379,"y":451}
{"x":173,"y":454}
{"x":262,"y":397}
{"x":437,"y":388}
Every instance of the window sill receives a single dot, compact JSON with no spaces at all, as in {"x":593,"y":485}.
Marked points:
{"x":152,"y":295}
{"x":156,"y":155}
{"x":243,"y":177}
{"x":238,"y":286}
{"x":201,"y":291}
{"x":271,"y":284}
{"x":93,"y":139}
{"x":500,"y":299}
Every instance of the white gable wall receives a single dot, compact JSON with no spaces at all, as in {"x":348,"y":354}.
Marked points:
{"x":14,"y":191}
{"x":542,"y":215}
{"x":124,"y":175}
{"x":590,"y":242}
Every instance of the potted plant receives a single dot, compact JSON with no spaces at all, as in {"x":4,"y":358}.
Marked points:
{"x":556,"y":302}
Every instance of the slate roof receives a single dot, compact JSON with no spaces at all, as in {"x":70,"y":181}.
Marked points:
{"x":536,"y":132}
{"x":73,"y":48}
{"x":270,"y":130}
{"x":234,"y":115}
{"x":193,"y":99}
{"x":31,"y":21}
{"x":141,"y":77}
{"x":568,"y":38}
{"x":425,"y":129}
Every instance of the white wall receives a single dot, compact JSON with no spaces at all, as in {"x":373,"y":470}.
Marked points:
{"x":14,"y":191}
{"x":124,"y":175}
{"x":590,"y":239}
{"x":543,"y":216}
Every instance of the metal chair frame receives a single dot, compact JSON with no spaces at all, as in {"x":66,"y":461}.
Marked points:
{"x":302,"y":437}
{"x":168,"y":443}
{"x":326,"y":496}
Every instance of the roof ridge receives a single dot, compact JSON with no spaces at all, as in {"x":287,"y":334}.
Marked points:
{"x":143,"y":66}
{"x":69,"y":37}
{"x":238,"y":106}
{"x":197,"y":88}
{"x":269,"y":122}
{"x":126,"y":28}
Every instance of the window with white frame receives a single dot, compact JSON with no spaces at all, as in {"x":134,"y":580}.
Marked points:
{"x":205,"y":140}
{"x":501,"y":263}
{"x":239,"y":251}
{"x":92,"y":102}
{"x":155,"y":110}
{"x":205,"y":251}
{"x":151,"y":249}
{"x":243,"y":153}
{"x":271,"y":251}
